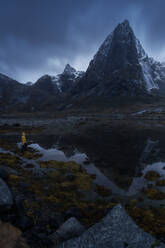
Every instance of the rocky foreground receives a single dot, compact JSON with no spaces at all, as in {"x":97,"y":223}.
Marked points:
{"x":115,"y":230}
{"x":58,"y":204}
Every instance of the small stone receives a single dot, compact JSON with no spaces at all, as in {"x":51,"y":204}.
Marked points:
{"x":69,"y":229}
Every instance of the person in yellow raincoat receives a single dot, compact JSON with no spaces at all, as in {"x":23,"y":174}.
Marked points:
{"x":24,"y":143}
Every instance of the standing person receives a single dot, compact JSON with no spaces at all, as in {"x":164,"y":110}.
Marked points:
{"x":24,"y":143}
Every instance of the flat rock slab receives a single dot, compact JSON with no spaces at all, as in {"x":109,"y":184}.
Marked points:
{"x":115,"y":230}
{"x":6,"y":199}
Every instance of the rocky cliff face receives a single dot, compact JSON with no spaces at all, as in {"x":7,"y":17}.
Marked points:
{"x":121,"y":67}
{"x":61,"y":83}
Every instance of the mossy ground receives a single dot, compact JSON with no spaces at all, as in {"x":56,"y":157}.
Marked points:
{"x":30,"y":153}
{"x":154,"y":194}
{"x":64,"y":186}
{"x":12,"y":161}
{"x":102,"y":191}
{"x":160,"y":183}
{"x":150,"y":219}
{"x":152,"y":176}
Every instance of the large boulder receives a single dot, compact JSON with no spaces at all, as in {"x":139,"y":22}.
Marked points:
{"x":69,"y":229}
{"x":6,"y":198}
{"x":10,"y":237}
{"x":115,"y":230}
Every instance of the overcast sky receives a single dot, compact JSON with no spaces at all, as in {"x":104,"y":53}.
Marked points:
{"x":40,"y":37}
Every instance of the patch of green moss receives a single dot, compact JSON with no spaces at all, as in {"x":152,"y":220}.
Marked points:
{"x":13,"y":179}
{"x":9,"y":160}
{"x":152,"y":176}
{"x":154,"y":194}
{"x":102,"y":191}
{"x":58,"y":192}
{"x":30,"y":153}
{"x":63,"y":167}
{"x":151,"y":220}
{"x":92,"y":212}
{"x":160,"y":183}
{"x":9,"y":146}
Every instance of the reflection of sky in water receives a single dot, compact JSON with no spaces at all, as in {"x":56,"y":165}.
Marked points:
{"x":137,"y":184}
{"x":80,"y":158}
{"x":55,"y":154}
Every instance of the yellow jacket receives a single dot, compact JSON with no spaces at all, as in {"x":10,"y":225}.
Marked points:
{"x":23,"y":138}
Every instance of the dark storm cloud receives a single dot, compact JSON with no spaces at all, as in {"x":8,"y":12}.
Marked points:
{"x":41,"y":36}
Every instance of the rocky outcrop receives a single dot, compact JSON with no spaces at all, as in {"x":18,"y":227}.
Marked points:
{"x":115,"y":230}
{"x":69,"y":229}
{"x":6,"y":199}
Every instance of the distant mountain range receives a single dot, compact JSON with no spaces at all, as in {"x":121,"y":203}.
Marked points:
{"x":120,"y":68}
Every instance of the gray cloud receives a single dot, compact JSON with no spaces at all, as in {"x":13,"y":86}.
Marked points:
{"x":38,"y":36}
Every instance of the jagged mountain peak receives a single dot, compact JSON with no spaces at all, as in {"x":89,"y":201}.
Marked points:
{"x":121,"y":66}
{"x":124,"y":31}
{"x":124,"y":24}
{"x":69,"y":70}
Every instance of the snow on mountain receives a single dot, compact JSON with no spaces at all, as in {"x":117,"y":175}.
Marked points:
{"x":146,"y":65}
{"x":56,"y":80}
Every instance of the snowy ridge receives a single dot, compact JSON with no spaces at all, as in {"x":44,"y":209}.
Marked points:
{"x":153,"y":71}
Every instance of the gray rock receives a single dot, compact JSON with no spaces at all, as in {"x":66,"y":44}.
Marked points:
{"x":69,"y":229}
{"x":7,"y":170}
{"x":6,"y":199}
{"x":116,"y":230}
